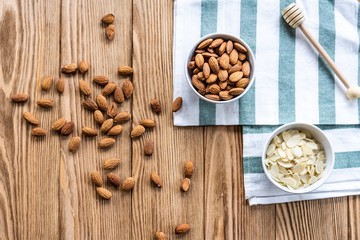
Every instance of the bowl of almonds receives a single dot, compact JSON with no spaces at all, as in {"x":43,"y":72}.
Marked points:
{"x":298,"y":157}
{"x":220,"y":68}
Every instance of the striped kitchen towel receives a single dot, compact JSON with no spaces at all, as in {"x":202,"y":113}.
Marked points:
{"x":343,"y":181}
{"x":292,"y":83}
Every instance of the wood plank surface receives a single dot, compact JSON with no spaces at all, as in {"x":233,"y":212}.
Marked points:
{"x":45,"y":191}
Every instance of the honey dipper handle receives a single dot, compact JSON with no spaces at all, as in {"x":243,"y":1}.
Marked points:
{"x":326,"y":56}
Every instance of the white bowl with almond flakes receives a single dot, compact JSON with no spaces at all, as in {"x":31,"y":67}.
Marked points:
{"x":298,"y":157}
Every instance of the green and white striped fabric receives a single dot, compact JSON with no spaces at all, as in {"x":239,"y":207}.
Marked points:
{"x":292,"y":83}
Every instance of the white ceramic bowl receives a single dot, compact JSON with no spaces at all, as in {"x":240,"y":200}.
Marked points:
{"x":224,"y":36}
{"x":320,"y":136}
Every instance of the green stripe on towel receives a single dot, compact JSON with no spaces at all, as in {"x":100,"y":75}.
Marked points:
{"x":207,"y":111}
{"x":248,"y":15}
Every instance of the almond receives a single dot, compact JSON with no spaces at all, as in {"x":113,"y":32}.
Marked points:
{"x":214,"y":89}
{"x":110,"y":32}
{"x":235,"y":68}
{"x":106,"y":143}
{"x":107,"y":124}
{"x":209,"y":55}
{"x":205,"y":43}
{"x":84,"y":88}
{"x":20,"y":97}
{"x":30,"y":118}
{"x":99,"y":117}
{"x":212,"y":78}
{"x":240,"y":47}
{"x":103,"y":193}
{"x":69,"y":68}
{"x":67,"y":129}
{"x":118,"y":95}
{"x":222,"y":48}
{"x":233,"y":57}
{"x":214,"y":65}
{"x":212,"y":97}
{"x":113,"y":179}
{"x":246,"y":69}
{"x":115,"y":130}
{"x":185,"y":185}
{"x":122,"y":117}
{"x":125,"y":70}
{"x":137,"y":131}
{"x":112,"y":110}
{"x":101,"y":80}
{"x":229,"y":46}
{"x":177,"y":104}
{"x":188,"y":168}
{"x":160,"y":236}
{"x":149,"y":147}
{"x":109,"y":89}
{"x":38,"y":132}
{"x":111,"y":163}
{"x":224,"y":61}
{"x":224,"y":95}
{"x":236,"y":76}
{"x":155,"y":178}
{"x":102,"y":102}
{"x":60,"y":85}
{"x":96,"y":179}
{"x":198,"y":84}
{"x":242,"y":56}
{"x":83,"y":66}
{"x":196,"y":70}
{"x":45,"y":103}
{"x":148,"y":123}
{"x":128,"y":184}
{"x":90,"y":132}
{"x":223,"y":85}
{"x":74,"y":144}
{"x":58,"y":124}
{"x":46,"y":83}
{"x":223,"y":75}
{"x":242,"y":83}
{"x":206,"y":70}
{"x":216,"y":43}
{"x":127,"y":88}
{"x":89,"y":104}
{"x":199,"y":60}
{"x":236,"y":91}
{"x":191,"y":65}
{"x":182,"y":228}
{"x":108,"y":18}
{"x":155,"y":105}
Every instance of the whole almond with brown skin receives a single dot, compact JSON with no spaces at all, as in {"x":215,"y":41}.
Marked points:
{"x":235,"y":68}
{"x":155,"y":178}
{"x":201,"y":76}
{"x":206,"y":70}
{"x":74,"y":144}
{"x":224,"y":95}
{"x":236,"y":76}
{"x":213,"y":97}
{"x":233,"y":57}
{"x":106,"y":143}
{"x":108,"y":18}
{"x":209,"y":55}
{"x":111,"y":163}
{"x":196,"y":71}
{"x":30,"y":118}
{"x":122,"y":117}
{"x":148,"y":123}
{"x":84,"y":88}
{"x":223,"y":85}
{"x":205,"y":43}
{"x":224,"y":61}
{"x":229,"y":46}
{"x":103,"y":193}
{"x":109,"y":88}
{"x":90,"y":104}
{"x":216,"y":43}
{"x":222,"y":48}
{"x":185,"y":185}
{"x":20,"y":97}
{"x":242,"y":56}
{"x":46,"y":83}
{"x":199,"y":60}
{"x":118,"y":95}
{"x":115,"y":130}
{"x":160,"y":236}
{"x":60,"y":85}
{"x":101,"y":80}
{"x":223,"y":75}
{"x":198,"y":84}
{"x":112,"y":110}
{"x":177,"y":104}
{"x":214,"y":65}
{"x":127,"y":88}
{"x":107,"y":124}
{"x":45,"y":103}
{"x":99,"y":117}
{"x":212,"y":78}
{"x":214,"y":89}
{"x":246,"y":69}
{"x":110,"y":32}
{"x":125,"y":70}
{"x":89,"y":132}
{"x":149,"y":147}
{"x":128,"y":184}
{"x":113,"y":179}
{"x":137,"y":131}
{"x":188,"y":168}
{"x":67,"y":129}
{"x":240,"y":47}
{"x":58,"y":124}
{"x":38,"y":132}
{"x":242,"y":83}
{"x":102,"y":102}
{"x":182,"y":228}
{"x":69,"y":68}
{"x":96,"y":179}
{"x":83,"y":66}
{"x":155,"y":105}
{"x":191,"y":65}
{"x":236,"y":91}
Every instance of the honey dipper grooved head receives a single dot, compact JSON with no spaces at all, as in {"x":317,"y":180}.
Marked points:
{"x":353,"y":92}
{"x":293,"y":15}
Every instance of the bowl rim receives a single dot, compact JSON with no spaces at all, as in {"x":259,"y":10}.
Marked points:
{"x":251,"y":60}
{"x":329,"y":164}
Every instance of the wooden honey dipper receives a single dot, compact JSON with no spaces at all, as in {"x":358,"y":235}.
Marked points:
{"x":294,"y":16}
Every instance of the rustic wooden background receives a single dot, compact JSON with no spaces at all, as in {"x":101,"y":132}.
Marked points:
{"x":45,"y":192}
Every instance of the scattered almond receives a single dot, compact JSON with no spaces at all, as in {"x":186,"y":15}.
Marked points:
{"x":67,"y":129}
{"x":46,"y":83}
{"x":107,"y":124}
{"x":127,"y":88}
{"x":155,"y":105}
{"x":108,"y":18}
{"x":137,"y":131}
{"x":58,"y":124}
{"x":111,"y":163}
{"x":182,"y":228}
{"x":84,"y":88}
{"x":188,"y":168}
{"x":20,"y":97}
{"x":103,"y":193}
{"x":69,"y":68}
{"x":96,"y":179}
{"x":60,"y":85}
{"x":101,"y":80}
{"x":118,"y":95}
{"x":31,"y":118}
{"x":155,"y":178}
{"x":38,"y":132}
{"x":109,"y":88}
{"x":148,"y":123}
{"x":106,"y":143}
{"x":185,"y":185}
{"x":149,"y":147}
{"x":110,"y":32}
{"x":102,"y":102}
{"x":113,"y":179}
{"x":177,"y":104}
{"x":45,"y":103}
{"x":122,"y":117}
{"x":125,"y":70}
{"x":115,"y":130}
{"x":90,"y":132}
{"x":99,"y":117}
{"x":128,"y":184}
{"x":90,"y":104}
{"x":83,"y":66}
{"x":112,"y":110}
{"x":74,"y":144}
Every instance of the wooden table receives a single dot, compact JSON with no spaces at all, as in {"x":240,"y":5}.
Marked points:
{"x":45,"y":191}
